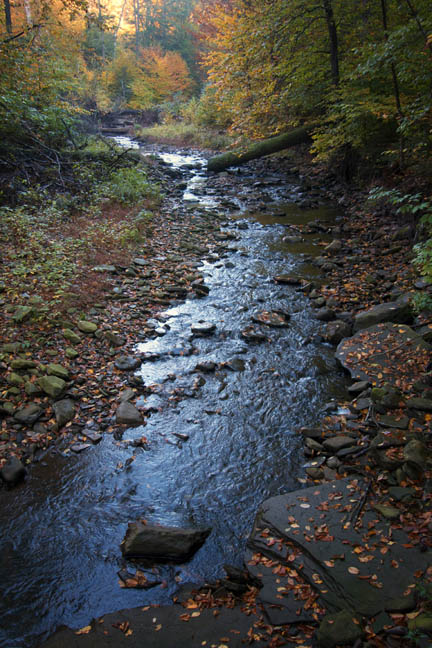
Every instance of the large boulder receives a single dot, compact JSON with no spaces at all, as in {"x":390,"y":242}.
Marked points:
{"x":162,"y":543}
{"x":399,"y":312}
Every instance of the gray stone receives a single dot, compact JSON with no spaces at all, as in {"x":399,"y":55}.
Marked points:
{"x":162,"y":543}
{"x":13,"y":471}
{"x":105,"y":268}
{"x":325,"y":315}
{"x":401,"y":494}
{"x":127,"y":363}
{"x":334,"y":247}
{"x":70,"y":336}
{"x":359,"y":387}
{"x":80,"y":447}
{"x":127,"y":414}
{"x":29,"y":415}
{"x":52,"y":385}
{"x":95,"y":437}
{"x":64,"y":411}
{"x":338,"y":629}
{"x":32,"y":389}
{"x":126,"y":395}
{"x":336,"y":331}
{"x":416,"y":455}
{"x":399,"y":312}
{"x":87,"y":327}
{"x":421,"y":404}
{"x":115,"y":339}
{"x":337,"y":443}
{"x":57,"y":370}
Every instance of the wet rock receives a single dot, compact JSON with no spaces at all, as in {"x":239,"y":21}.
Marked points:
{"x":95,"y":437}
{"x":52,"y":385}
{"x":252,"y":334}
{"x":400,"y":422}
{"x":126,"y":395}
{"x":401,"y":493}
{"x":206,"y":367}
{"x":127,"y":414}
{"x":87,"y":327}
{"x":399,"y":312}
{"x":287,"y":280}
{"x":336,"y":331}
{"x":13,"y":471}
{"x":80,"y":447}
{"x":127,"y":363}
{"x":325,"y":315}
{"x":203,"y":328}
{"x":64,"y":411}
{"x":359,"y":387}
{"x":162,"y":543}
{"x":338,"y":629}
{"x":277,"y":319}
{"x":337,"y":443}
{"x":334,"y":247}
{"x":235,"y":364}
{"x":71,"y":336}
{"x":29,"y":415}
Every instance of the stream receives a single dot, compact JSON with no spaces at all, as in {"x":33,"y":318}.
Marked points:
{"x":219,"y":441}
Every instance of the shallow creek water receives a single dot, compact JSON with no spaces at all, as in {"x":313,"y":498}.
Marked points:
{"x":61,"y":530}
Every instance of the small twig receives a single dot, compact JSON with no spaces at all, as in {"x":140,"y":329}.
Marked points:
{"x":356,"y":512}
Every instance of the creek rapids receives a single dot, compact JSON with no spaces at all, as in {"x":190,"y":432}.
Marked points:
{"x":238,"y":442}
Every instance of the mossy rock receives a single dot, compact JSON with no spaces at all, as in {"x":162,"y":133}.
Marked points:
{"x":57,"y":370}
{"x":341,"y":628}
{"x":87,"y":327}
{"x":52,"y":385}
{"x":71,"y":337}
{"x":15,"y":379}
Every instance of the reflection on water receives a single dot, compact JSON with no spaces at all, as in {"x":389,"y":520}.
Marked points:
{"x":61,"y":530}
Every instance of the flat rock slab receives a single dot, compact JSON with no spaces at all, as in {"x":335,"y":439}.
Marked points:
{"x":160,"y":627}
{"x":162,"y":543}
{"x":304,"y":542}
{"x":399,"y":312}
{"x":392,"y":353}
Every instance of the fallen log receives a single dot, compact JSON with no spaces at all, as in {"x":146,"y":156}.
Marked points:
{"x":260,"y":149}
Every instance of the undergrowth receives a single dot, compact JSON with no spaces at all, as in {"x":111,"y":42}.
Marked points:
{"x":50,"y":242}
{"x":183,"y":134}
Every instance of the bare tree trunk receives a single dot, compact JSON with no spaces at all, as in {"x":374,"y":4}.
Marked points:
{"x":8,"y":17}
{"x":396,"y":90}
{"x":28,"y":13}
{"x":334,"y":45}
{"x":117,"y":29}
{"x":137,"y":17}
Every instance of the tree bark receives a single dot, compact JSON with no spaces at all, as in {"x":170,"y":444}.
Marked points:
{"x":265,"y":147}
{"x":28,"y":13}
{"x":8,"y":17}
{"x":334,"y":46}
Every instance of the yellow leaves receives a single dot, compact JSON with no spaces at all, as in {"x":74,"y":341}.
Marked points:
{"x":84,"y":630}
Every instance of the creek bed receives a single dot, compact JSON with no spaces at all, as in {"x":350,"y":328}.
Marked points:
{"x":61,"y":530}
